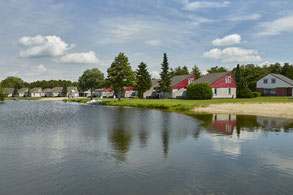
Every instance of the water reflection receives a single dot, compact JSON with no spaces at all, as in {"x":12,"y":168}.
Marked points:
{"x":75,"y":149}
{"x":121,"y":140}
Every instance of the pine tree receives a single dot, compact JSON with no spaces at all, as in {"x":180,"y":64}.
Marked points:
{"x":242,"y":90}
{"x":165,"y":81}
{"x":196,"y":72}
{"x":120,"y":74}
{"x":143,"y":79}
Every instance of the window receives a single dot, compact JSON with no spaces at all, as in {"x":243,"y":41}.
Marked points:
{"x":265,"y":81}
{"x":215,"y":91}
{"x":268,"y":91}
{"x":190,"y":81}
{"x":229,"y":91}
{"x":228,"y":79}
{"x":273,"y":80}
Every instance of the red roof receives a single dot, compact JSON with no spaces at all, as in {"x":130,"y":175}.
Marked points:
{"x":182,"y":83}
{"x":107,"y":90}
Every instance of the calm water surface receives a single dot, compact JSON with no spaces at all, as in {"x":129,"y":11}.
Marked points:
{"x":64,"y":148}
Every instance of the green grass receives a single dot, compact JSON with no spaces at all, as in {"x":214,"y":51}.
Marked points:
{"x":178,"y":104}
{"x":23,"y":98}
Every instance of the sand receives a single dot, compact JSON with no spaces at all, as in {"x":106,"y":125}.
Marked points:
{"x":54,"y":99}
{"x":282,"y":110}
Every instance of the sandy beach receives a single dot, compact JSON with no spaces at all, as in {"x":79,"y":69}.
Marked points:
{"x":54,"y":99}
{"x":283,"y":110}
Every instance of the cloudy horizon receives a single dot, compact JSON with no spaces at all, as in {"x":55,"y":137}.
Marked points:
{"x":50,"y":39}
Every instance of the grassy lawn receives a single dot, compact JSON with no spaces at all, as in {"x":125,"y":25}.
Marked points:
{"x":179,"y":104}
{"x":23,"y":98}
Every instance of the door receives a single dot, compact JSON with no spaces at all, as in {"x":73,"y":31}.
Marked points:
{"x":289,"y":91}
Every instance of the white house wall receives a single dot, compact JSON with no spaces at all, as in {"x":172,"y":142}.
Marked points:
{"x":279,"y":83}
{"x":224,"y":93}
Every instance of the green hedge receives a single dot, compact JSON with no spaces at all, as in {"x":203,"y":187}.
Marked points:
{"x":256,"y":94}
{"x":199,"y":91}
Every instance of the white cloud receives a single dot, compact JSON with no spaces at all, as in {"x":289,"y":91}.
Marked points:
{"x":29,"y":70}
{"x":276,"y":27}
{"x":233,"y":54}
{"x":41,"y":68}
{"x":192,"y":6}
{"x":254,"y":16}
{"x":80,"y":58}
{"x":153,"y":42}
{"x":155,"y":74}
{"x":227,"y":40}
{"x":43,"y":46}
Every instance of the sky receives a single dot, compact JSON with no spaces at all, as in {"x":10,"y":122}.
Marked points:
{"x":59,"y":39}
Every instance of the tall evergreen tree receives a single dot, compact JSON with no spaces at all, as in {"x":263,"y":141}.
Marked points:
{"x":196,"y":72}
{"x":165,"y":81}
{"x":120,"y":74}
{"x":242,"y":90}
{"x":143,"y":79}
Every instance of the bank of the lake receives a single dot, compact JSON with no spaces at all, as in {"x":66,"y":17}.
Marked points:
{"x":261,"y":106}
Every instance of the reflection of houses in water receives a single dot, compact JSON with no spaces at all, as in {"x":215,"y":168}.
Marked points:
{"x":224,"y":123}
{"x":275,"y":124}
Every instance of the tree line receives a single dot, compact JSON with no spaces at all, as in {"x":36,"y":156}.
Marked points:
{"x":121,"y":75}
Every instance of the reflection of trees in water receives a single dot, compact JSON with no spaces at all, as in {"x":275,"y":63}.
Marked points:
{"x":143,"y":137}
{"x":121,"y":140}
{"x":165,"y":133}
{"x":247,"y":123}
{"x":165,"y":139}
{"x":288,"y":128}
{"x":143,"y":121}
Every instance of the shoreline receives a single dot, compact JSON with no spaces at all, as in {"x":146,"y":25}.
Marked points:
{"x":279,"y":107}
{"x":278,"y":110}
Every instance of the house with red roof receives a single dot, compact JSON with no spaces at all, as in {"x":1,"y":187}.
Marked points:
{"x":222,"y":83}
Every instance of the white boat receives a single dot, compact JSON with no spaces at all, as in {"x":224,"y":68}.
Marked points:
{"x":94,"y":102}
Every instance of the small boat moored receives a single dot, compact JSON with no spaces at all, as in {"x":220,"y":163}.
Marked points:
{"x":94,"y":102}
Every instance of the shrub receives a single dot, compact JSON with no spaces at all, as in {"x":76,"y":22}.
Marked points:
{"x":256,"y":94}
{"x":199,"y":91}
{"x":244,"y":93}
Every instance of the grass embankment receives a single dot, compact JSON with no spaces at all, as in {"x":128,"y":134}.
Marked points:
{"x":179,"y":104}
{"x":23,"y":98}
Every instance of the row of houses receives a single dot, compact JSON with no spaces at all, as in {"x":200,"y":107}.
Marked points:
{"x":223,"y":86}
{"x":38,"y":92}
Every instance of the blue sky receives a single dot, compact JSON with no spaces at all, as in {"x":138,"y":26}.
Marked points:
{"x":50,"y":39}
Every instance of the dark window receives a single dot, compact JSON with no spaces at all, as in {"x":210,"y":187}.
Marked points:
{"x":273,"y":80}
{"x":229,"y":91}
{"x":215,"y":91}
{"x":265,"y":81}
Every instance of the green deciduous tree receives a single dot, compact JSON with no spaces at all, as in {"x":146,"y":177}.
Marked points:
{"x":199,"y":91}
{"x":196,"y":72}
{"x":143,"y":79}
{"x":2,"y":93}
{"x":165,"y":81}
{"x":120,"y":75}
{"x":287,"y":70}
{"x":12,"y":82}
{"x":217,"y":69}
{"x":91,"y":79}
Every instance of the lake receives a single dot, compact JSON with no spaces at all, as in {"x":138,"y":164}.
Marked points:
{"x":66,"y":148}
